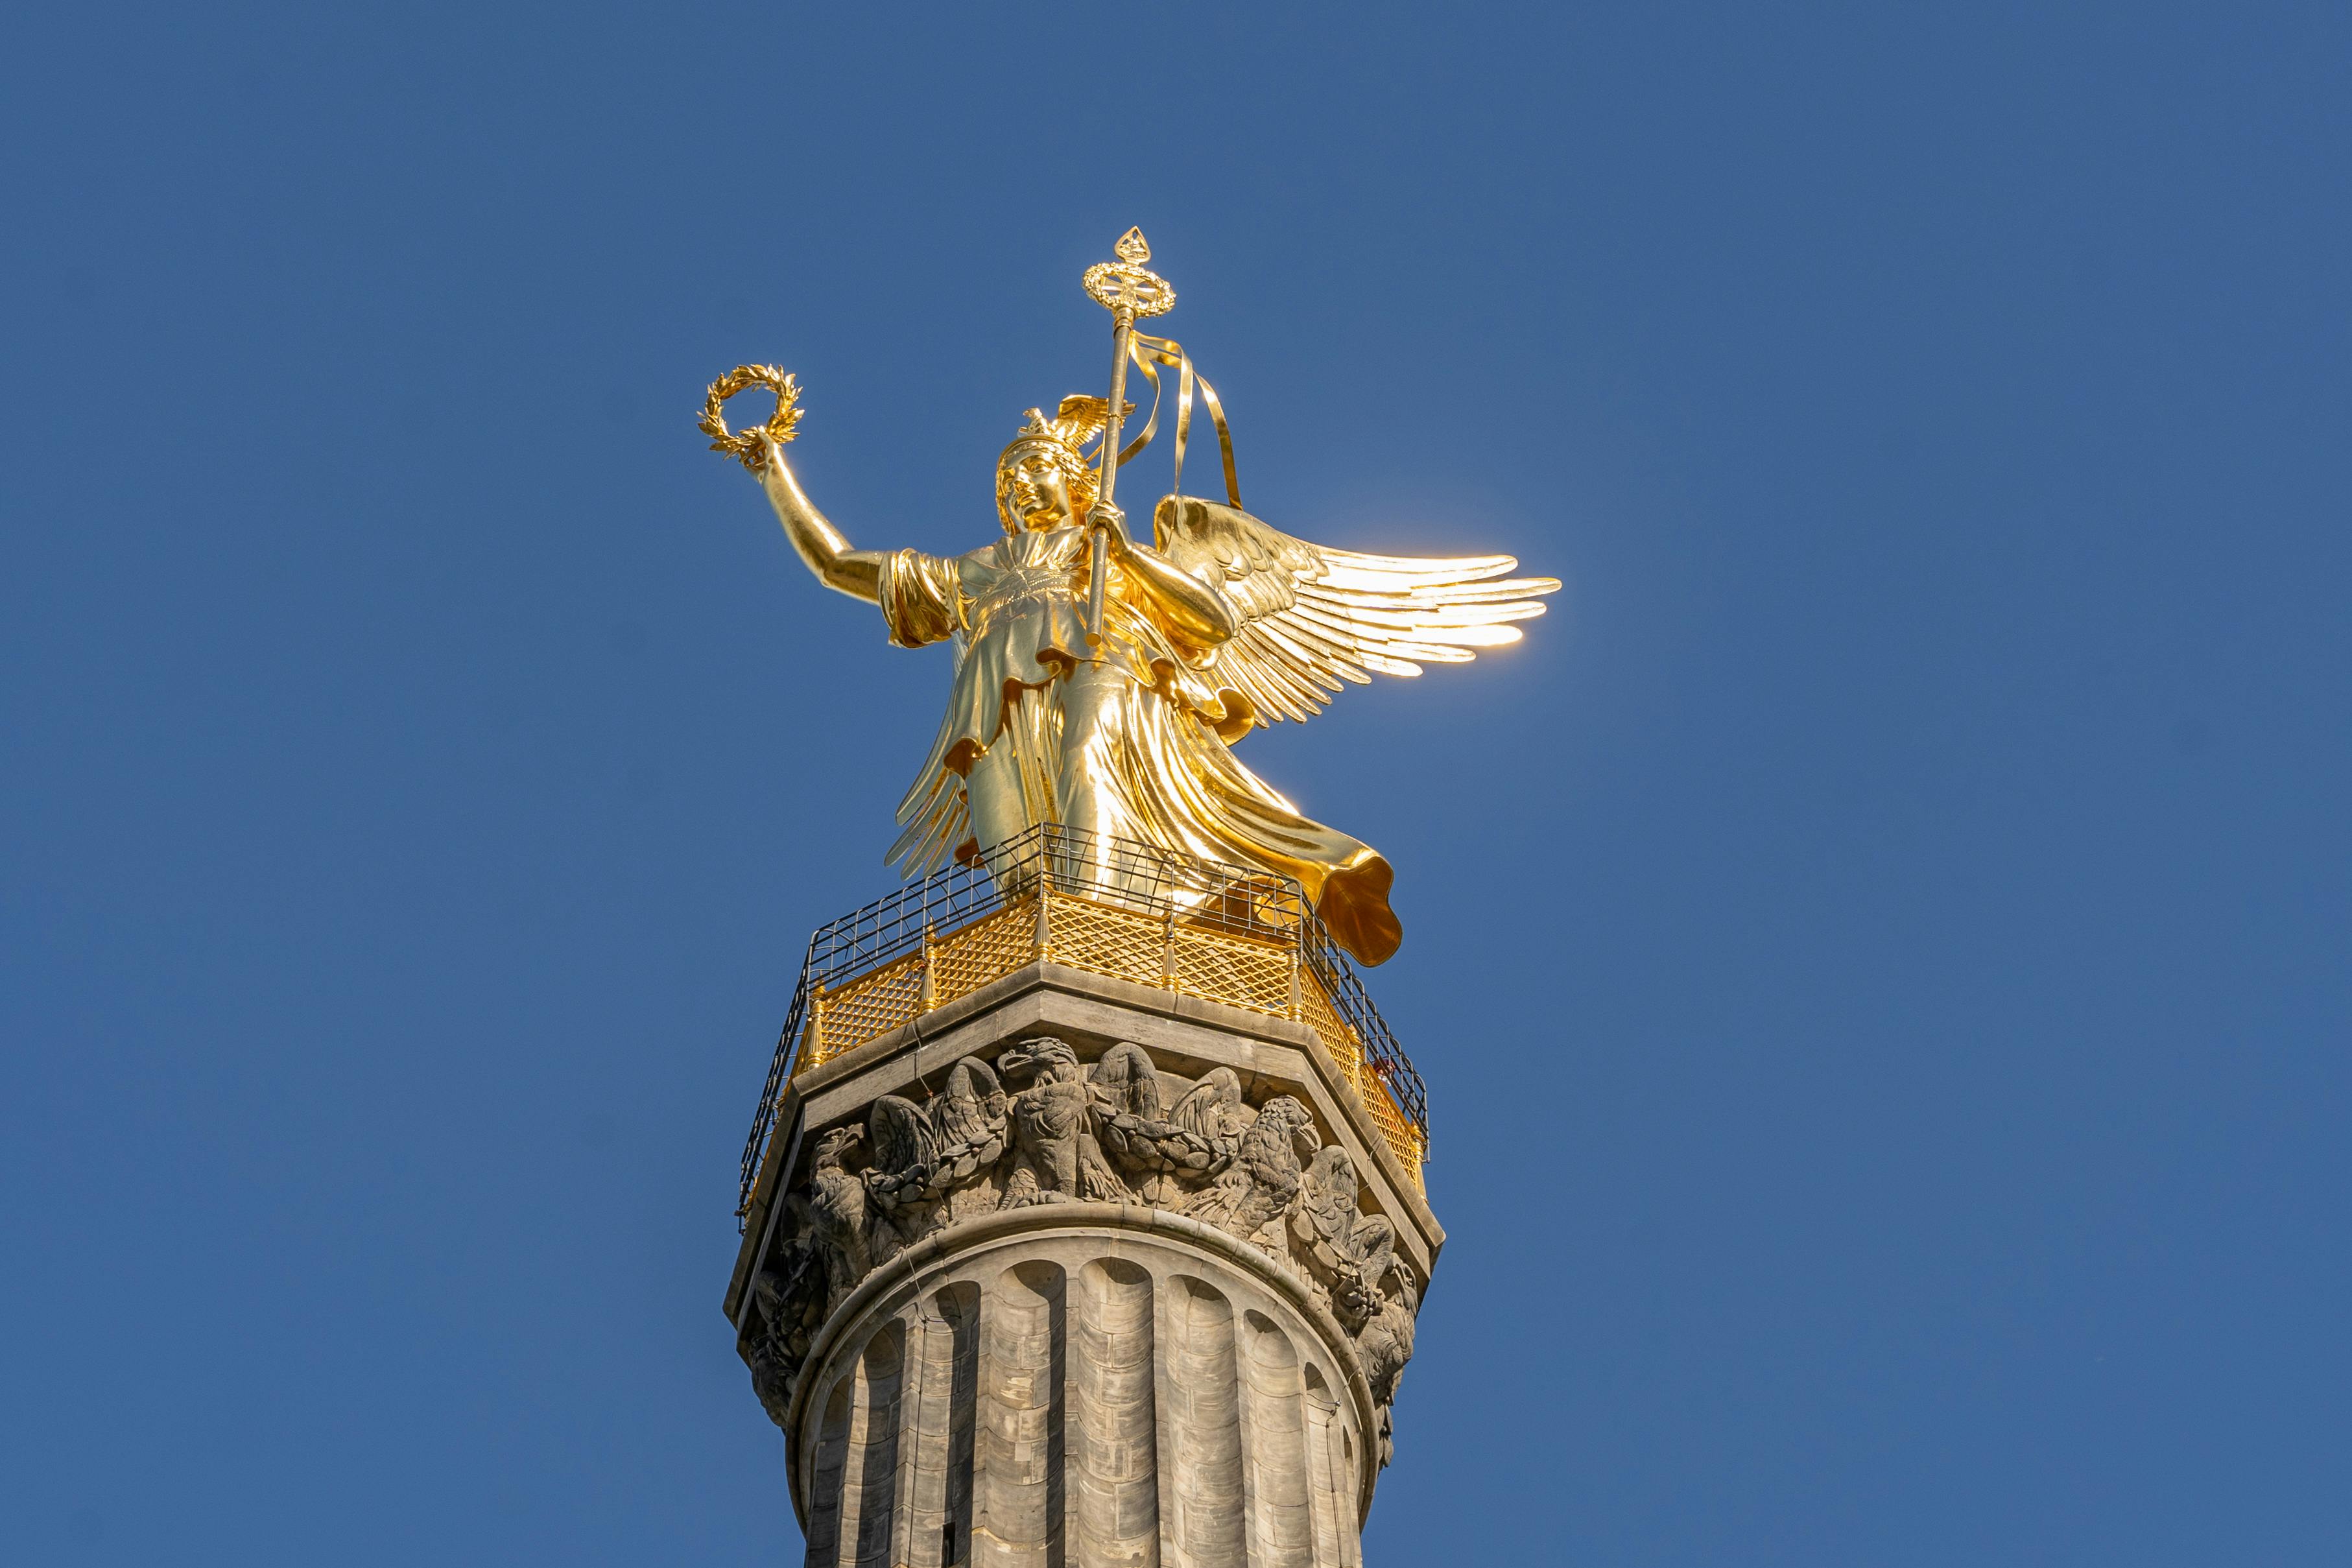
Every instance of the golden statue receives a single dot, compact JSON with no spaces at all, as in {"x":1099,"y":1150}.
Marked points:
{"x":1101,"y":682}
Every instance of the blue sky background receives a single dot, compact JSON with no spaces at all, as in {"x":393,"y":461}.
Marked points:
{"x":1878,"y":953}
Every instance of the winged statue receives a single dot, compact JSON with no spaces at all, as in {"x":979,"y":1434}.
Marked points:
{"x":1220,"y":623}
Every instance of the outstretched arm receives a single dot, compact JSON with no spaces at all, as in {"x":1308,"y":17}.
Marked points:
{"x":1201,"y":615}
{"x":857,"y":572}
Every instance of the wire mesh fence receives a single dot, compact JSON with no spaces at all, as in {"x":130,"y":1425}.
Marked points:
{"x":1107,"y":905}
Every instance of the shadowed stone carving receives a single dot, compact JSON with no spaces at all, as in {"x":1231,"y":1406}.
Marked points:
{"x":1055,"y":1155}
{"x":1265,"y":1175}
{"x":791,"y":1298}
{"x":1347,"y":1249}
{"x":1119,"y":1131}
{"x":835,"y":1204}
{"x":1385,"y":1344}
{"x":1159,"y":1155}
{"x":922,"y":1155}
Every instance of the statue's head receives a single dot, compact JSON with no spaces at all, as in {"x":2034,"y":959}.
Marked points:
{"x":1044,"y":479}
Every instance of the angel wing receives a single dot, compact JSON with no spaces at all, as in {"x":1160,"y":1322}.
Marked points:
{"x":1313,"y":617}
{"x":1078,"y":418}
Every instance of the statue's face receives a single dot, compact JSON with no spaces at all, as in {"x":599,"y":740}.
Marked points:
{"x":1041,"y":495}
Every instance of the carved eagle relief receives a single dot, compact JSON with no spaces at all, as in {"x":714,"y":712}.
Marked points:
{"x":1067,"y":1131}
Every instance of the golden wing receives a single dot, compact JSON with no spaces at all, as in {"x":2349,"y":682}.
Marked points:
{"x":1313,"y":617}
{"x":934,"y":821}
{"x":1079,"y":419}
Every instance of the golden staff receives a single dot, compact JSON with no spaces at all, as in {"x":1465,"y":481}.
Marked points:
{"x":1128,"y":290}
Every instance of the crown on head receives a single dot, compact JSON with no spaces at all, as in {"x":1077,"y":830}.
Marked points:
{"x":1062,"y":441}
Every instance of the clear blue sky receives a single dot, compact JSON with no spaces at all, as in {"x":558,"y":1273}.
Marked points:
{"x":1878,"y":951}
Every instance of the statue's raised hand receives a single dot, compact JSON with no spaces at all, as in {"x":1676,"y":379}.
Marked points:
{"x":746,"y":447}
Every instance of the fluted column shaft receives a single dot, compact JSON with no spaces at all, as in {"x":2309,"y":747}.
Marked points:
{"x":1082,"y":1385}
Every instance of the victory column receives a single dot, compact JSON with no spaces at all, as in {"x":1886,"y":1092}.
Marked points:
{"x":1083,"y":1219}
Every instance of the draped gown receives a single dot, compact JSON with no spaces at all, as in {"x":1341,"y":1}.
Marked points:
{"x":1129,"y":740}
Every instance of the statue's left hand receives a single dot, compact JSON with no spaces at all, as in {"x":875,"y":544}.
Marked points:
{"x":1112,"y":520}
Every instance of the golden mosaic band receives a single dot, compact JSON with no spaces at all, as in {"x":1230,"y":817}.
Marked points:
{"x":1263,"y":975}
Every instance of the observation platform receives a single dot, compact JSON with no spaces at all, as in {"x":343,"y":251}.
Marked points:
{"x":1105,"y":907}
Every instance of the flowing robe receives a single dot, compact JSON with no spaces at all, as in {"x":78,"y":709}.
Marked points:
{"x":1129,"y":739}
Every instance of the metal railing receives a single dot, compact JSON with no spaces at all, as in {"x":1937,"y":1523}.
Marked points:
{"x":1108,"y":906}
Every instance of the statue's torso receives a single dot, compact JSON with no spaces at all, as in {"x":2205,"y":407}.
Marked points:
{"x":1027,"y":580}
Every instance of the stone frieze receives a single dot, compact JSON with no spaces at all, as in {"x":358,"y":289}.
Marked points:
{"x":1037,"y":1127}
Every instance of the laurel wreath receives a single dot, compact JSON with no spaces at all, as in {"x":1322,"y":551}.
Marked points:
{"x":745,"y":446}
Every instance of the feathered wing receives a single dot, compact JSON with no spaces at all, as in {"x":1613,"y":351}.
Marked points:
{"x":971,"y":1110}
{"x":900,"y":1135}
{"x":1079,"y":419}
{"x":1213,"y":1108}
{"x":1314,"y":617}
{"x":937,"y":820}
